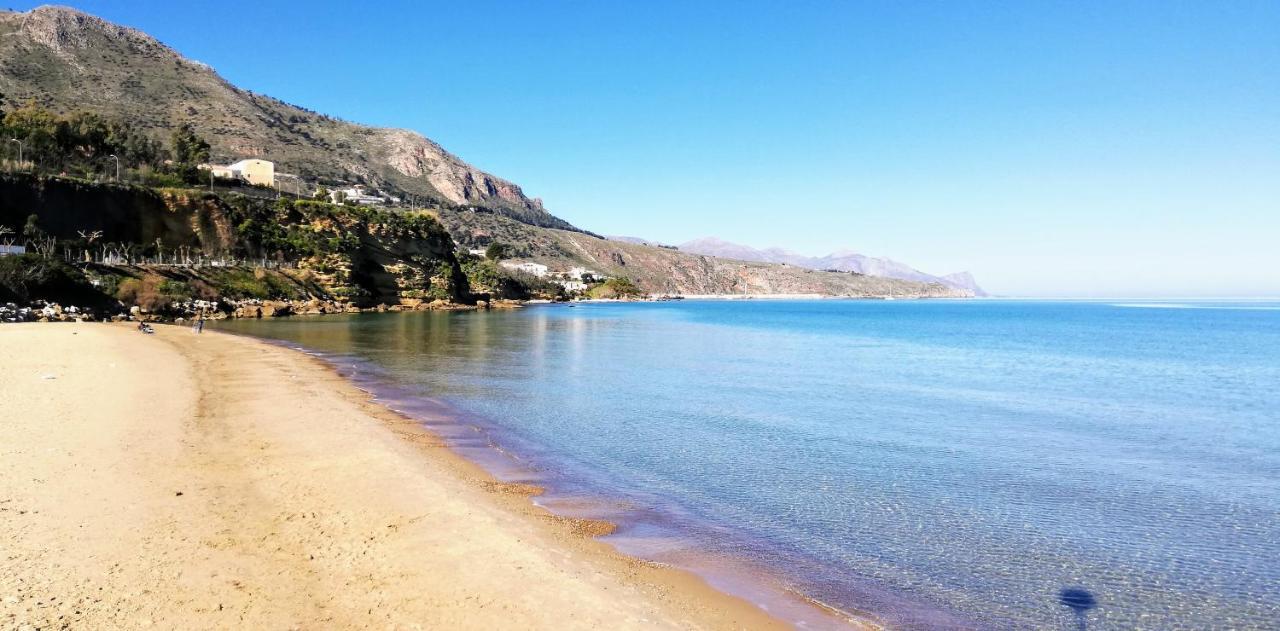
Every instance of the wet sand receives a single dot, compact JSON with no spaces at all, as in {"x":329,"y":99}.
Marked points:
{"x":213,"y":481}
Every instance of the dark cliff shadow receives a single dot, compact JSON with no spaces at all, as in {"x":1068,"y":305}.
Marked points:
{"x":1080,"y":601}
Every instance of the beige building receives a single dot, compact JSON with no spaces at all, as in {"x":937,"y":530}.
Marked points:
{"x":254,"y":171}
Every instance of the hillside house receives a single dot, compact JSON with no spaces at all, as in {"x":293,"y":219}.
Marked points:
{"x":254,"y":171}
{"x":582,"y":274}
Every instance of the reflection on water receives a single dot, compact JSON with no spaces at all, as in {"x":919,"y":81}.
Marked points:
{"x":988,"y":463}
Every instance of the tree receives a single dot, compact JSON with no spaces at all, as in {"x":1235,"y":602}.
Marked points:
{"x":496,"y":251}
{"x":32,"y":229}
{"x":36,"y":127}
{"x":322,"y":194}
{"x":188,"y":148}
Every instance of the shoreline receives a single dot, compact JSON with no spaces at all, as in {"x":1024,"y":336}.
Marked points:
{"x":481,"y":443}
{"x":242,"y":418}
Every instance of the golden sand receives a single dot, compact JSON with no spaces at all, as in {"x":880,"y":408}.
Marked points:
{"x":183,"y":481}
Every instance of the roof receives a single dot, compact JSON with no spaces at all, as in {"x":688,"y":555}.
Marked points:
{"x":242,"y":163}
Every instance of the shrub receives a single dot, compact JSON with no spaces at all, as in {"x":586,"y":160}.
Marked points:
{"x":152,"y":293}
{"x":621,"y":287}
{"x":497,"y":251}
{"x":30,"y":277}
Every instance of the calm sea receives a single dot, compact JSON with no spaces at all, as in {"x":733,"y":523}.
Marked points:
{"x":990,"y":464}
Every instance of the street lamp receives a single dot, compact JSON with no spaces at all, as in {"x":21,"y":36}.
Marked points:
{"x":19,"y":150}
{"x":113,"y":156}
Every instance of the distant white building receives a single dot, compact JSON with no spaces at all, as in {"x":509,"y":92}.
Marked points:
{"x":356,"y":195}
{"x":537,"y":269}
{"x":581,"y":273}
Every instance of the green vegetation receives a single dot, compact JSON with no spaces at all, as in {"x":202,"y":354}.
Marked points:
{"x":239,"y":284}
{"x":29,"y":276}
{"x":497,"y":251}
{"x":616,"y":288}
{"x":82,"y":142}
{"x":188,"y":151}
{"x":86,"y":145}
{"x":155,"y":293}
{"x":487,"y":278}
{"x":176,"y":245}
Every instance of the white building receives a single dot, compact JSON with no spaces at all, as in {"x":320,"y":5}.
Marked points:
{"x":356,"y":195}
{"x":254,"y":171}
{"x":581,"y":273}
{"x":537,"y":269}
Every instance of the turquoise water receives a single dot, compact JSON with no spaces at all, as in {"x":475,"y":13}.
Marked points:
{"x":937,"y":463}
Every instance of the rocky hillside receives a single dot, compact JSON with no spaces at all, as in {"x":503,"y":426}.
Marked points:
{"x":68,"y":61}
{"x":663,"y":270}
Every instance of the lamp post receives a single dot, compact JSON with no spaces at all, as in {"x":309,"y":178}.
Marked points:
{"x":19,"y":150}
{"x":113,"y":156}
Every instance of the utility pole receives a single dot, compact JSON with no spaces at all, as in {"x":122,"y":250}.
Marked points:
{"x":19,"y":150}
{"x":113,"y":156}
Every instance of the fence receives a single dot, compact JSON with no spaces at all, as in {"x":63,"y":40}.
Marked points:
{"x":178,"y":259}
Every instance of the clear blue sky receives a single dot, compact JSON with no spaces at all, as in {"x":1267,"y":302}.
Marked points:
{"x":1073,"y":148}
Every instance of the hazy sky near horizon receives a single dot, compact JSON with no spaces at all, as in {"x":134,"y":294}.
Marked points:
{"x":1051,"y":148}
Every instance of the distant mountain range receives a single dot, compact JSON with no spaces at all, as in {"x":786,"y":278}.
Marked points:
{"x":844,"y":261}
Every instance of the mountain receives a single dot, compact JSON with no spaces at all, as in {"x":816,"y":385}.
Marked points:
{"x":845,"y":261}
{"x":69,"y":61}
{"x":66,"y":60}
{"x":964,"y":280}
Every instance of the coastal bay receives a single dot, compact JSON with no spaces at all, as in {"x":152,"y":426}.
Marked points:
{"x":215,"y":481}
{"x":936,"y":464}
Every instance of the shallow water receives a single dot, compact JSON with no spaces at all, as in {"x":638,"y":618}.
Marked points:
{"x":938,"y":463}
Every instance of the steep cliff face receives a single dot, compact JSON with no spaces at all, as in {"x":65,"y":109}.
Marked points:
{"x":122,"y":213}
{"x":364,"y":255}
{"x":69,"y":61}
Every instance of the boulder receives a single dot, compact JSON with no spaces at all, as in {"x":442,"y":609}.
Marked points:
{"x":276,"y":309}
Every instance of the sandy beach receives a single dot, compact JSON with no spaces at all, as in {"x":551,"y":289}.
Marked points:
{"x":212,"y":481}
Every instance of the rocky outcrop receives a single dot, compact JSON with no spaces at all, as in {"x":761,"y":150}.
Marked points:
{"x":123,"y":213}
